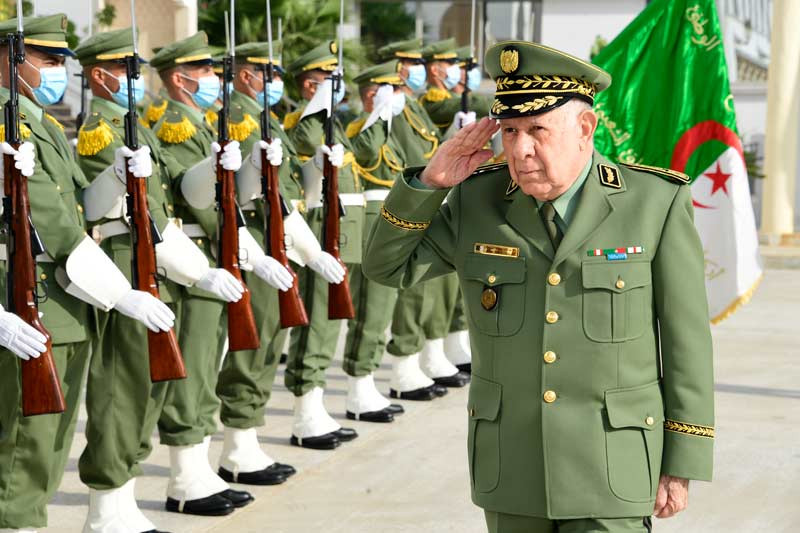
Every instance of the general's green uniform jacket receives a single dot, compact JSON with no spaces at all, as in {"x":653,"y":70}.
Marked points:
{"x":309,"y":133}
{"x":55,"y":191}
{"x":569,"y":415}
{"x":442,"y":105}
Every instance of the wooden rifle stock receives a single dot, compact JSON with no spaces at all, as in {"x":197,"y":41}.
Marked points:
{"x":292,"y":311}
{"x":340,"y":303}
{"x":41,"y":386}
{"x":166,"y":362}
{"x":242,"y":330}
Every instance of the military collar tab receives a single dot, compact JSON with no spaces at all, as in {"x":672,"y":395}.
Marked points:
{"x":512,"y":186}
{"x":610,"y":176}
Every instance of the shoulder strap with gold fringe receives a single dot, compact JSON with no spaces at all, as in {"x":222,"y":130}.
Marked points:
{"x":354,"y":127}
{"x":155,"y":111}
{"x":95,"y":135}
{"x":176,"y":128}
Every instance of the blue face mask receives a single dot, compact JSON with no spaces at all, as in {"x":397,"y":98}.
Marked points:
{"x":52,"y":84}
{"x":453,"y":76}
{"x":207,"y":90}
{"x":121,"y":96}
{"x":416,"y":77}
{"x":474,"y":79}
{"x":274,"y":93}
{"x":339,"y":96}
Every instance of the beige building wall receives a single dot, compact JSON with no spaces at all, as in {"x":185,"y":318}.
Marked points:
{"x":160,"y":22}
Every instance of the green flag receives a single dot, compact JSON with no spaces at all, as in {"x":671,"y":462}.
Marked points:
{"x":670,"y":105}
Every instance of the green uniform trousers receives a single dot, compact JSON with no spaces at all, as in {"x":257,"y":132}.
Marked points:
{"x":425,"y":311}
{"x":34,"y":450}
{"x":122,"y":404}
{"x":191,"y":403}
{"x":509,"y":523}
{"x":246,"y":379}
{"x":366,"y":333}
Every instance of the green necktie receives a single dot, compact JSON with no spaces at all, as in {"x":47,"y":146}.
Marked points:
{"x":549,"y":218}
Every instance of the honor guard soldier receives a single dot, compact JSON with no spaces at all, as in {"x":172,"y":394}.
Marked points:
{"x":380,"y":160}
{"x":187,"y":422}
{"x":74,"y":270}
{"x":246,"y":379}
{"x":312,"y":347}
{"x":105,"y":464}
{"x":446,"y":81}
{"x":591,"y":404}
{"x":424,"y":315}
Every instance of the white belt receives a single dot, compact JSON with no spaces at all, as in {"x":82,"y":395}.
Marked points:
{"x":347,"y":199}
{"x":107,"y":230}
{"x":376,"y":195}
{"x":195,"y":231}
{"x":41,"y":258}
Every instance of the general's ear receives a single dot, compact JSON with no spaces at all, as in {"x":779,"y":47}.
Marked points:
{"x":588,"y":124}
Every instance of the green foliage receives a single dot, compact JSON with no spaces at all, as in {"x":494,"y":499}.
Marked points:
{"x":385,"y":23}
{"x":105,"y":17}
{"x":72,"y":37}
{"x":753,"y":163}
{"x":599,"y":44}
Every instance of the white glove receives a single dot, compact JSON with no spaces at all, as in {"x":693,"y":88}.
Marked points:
{"x":22,"y":340}
{"x":222,"y":284}
{"x":139,"y":162}
{"x":328,"y":267}
{"x":231,"y":157}
{"x":383,"y":97}
{"x":464,"y":119}
{"x":334,"y":153}
{"x":24,"y":158}
{"x":147,"y":309}
{"x":273,"y":273}
{"x":274,"y":153}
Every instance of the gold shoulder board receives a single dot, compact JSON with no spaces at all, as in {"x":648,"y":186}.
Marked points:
{"x":665,"y":173}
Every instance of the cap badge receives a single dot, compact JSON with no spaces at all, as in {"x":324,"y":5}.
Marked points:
{"x":334,"y":47}
{"x":509,"y":60}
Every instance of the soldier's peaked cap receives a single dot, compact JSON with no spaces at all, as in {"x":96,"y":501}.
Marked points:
{"x":106,"y":46}
{"x":323,"y":57}
{"x":48,"y":34}
{"x":381,"y":74}
{"x":532,"y":78}
{"x":441,"y":51}
{"x":257,"y":53}
{"x":193,"y":50}
{"x":411,"y":49}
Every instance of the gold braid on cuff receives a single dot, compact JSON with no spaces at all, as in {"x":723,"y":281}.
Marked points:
{"x":689,"y":429}
{"x":403,"y":224}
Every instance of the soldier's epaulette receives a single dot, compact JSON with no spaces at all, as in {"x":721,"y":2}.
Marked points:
{"x":175,"y":128}
{"x":155,"y":111}
{"x":354,"y":127}
{"x":291,"y":119}
{"x":665,"y":173}
{"x":94,"y":136}
{"x":24,"y":131}
{"x":241,"y":125}
{"x":52,"y":119}
{"x":436,"y":94}
{"x":211,"y":118}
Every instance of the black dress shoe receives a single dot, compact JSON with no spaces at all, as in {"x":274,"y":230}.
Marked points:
{"x":154,"y":531}
{"x":286,"y":470}
{"x":239,"y":498}
{"x":345,"y":434}
{"x":395,"y":409}
{"x":465,"y":367}
{"x":271,"y":475}
{"x":214,"y":505}
{"x":382,"y":416}
{"x":438,"y":390}
{"x":283,"y":358}
{"x":328,"y":441}
{"x":425,"y":394}
{"x":459,"y":379}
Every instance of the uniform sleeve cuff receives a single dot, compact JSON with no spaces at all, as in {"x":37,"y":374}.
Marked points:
{"x":690,"y":456}
{"x":409,"y":207}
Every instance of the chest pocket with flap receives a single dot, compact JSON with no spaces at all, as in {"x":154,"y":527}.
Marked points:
{"x":505,"y":277}
{"x":617,"y":299}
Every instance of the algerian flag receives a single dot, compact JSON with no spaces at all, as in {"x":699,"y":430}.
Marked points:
{"x":670,"y":105}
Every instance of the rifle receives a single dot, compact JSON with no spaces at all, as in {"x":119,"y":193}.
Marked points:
{"x":166,"y":362}
{"x":242,"y":330}
{"x":82,"y":114}
{"x":340,"y":303}
{"x":292,"y":311}
{"x":470,"y":62}
{"x":41,"y":387}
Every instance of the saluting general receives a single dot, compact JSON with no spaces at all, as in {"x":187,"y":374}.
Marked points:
{"x":591,"y":403}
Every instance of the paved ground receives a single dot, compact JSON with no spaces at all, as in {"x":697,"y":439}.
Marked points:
{"x":411,"y":476}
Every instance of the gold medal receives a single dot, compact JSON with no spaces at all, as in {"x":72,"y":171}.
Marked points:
{"x":489,"y":299}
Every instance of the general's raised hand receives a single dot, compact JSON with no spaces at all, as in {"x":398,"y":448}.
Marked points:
{"x":458,"y":157}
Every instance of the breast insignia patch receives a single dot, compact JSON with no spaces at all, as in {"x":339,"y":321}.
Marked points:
{"x":609,"y":176}
{"x":489,"y":299}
